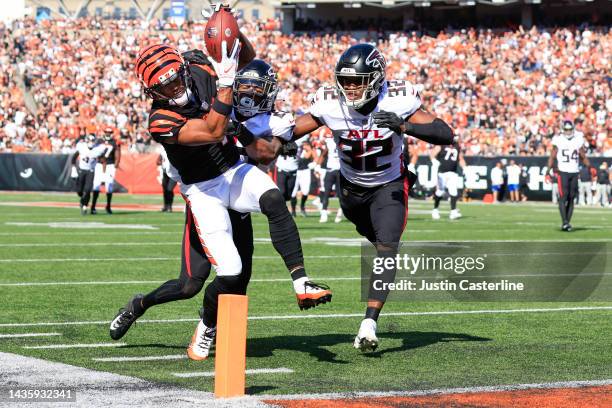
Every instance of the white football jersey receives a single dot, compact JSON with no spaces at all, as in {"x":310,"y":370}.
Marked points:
{"x":333,"y":160}
{"x":568,"y":152}
{"x":89,"y":157}
{"x":369,"y":156}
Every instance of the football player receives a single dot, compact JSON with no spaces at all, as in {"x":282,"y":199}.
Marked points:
{"x":563,"y":163}
{"x":213,"y":179}
{"x":306,"y":157}
{"x":447,"y":159}
{"x":368,"y":116}
{"x":331,"y":178}
{"x":87,"y":154}
{"x":105,"y":171}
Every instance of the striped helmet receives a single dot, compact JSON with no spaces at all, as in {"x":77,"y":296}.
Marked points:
{"x":158,"y":65}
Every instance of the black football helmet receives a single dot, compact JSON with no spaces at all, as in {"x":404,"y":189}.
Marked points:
{"x":361,"y":68}
{"x":255,"y":89}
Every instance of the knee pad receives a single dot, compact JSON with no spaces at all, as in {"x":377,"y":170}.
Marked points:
{"x":272,"y":202}
{"x":229,"y":284}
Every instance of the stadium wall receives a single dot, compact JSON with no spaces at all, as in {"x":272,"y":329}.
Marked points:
{"x":139,"y":174}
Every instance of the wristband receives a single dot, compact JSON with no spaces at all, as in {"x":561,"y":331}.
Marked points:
{"x":221,"y":108}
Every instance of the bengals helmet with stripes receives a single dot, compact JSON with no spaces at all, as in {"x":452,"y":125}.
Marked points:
{"x":159,"y":65}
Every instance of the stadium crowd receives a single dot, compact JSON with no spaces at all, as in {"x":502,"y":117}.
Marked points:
{"x":505,"y":92}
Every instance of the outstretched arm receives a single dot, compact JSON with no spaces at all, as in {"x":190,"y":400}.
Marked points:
{"x":421,"y":124}
{"x":305,"y":124}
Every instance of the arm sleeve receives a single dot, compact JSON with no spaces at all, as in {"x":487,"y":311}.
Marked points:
{"x":165,"y":124}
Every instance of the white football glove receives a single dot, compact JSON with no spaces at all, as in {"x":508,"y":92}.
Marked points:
{"x":226,"y":69}
{"x":73,"y":172}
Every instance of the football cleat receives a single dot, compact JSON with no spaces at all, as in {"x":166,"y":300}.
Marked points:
{"x":324,"y":216}
{"x":566,"y":227}
{"x":312,"y":294}
{"x":83,"y":210}
{"x":108,"y":210}
{"x":435,"y":214}
{"x":366,"y":339}
{"x":201,"y":342}
{"x":303,"y":213}
{"x":454,"y":214}
{"x":124,"y":319}
{"x":338,"y":216}
{"x":94,"y":211}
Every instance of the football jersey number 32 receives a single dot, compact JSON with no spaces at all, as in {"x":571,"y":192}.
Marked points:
{"x":362,"y":155}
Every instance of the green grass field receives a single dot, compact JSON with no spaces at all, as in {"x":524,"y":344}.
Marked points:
{"x":83,"y":275}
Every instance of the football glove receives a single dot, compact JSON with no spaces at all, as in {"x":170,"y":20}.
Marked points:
{"x":215,"y":8}
{"x":388,"y":120}
{"x":227,"y":67}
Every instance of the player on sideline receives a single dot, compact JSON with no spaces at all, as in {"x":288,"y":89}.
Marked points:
{"x":213,"y":180}
{"x":105,"y":172}
{"x":565,"y":157}
{"x":368,"y":116}
{"x":85,"y":160}
{"x":448,"y":159}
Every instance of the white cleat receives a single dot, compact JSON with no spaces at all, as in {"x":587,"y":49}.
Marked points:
{"x":324,"y":216}
{"x":366,"y":339}
{"x":454,"y":214}
{"x":201,"y":342}
{"x":435,"y":214}
{"x":338,"y":218}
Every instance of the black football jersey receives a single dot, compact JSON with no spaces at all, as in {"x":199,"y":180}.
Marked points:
{"x":111,"y":152}
{"x":448,"y":158}
{"x":192,"y":163}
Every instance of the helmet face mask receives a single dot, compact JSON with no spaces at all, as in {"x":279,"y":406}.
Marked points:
{"x":255,"y":89}
{"x":360,"y":74}
{"x":173,"y":88}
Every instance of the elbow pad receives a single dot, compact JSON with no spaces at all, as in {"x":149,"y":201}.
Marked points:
{"x":436,"y":132}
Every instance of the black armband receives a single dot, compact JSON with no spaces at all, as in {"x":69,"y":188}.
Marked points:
{"x":436,"y":132}
{"x":222,"y":108}
{"x":244,"y":136}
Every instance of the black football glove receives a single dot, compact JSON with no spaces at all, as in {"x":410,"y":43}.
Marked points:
{"x":388,"y":120}
{"x":289,"y":149}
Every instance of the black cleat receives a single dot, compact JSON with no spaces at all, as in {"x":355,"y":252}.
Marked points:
{"x":314,"y":294}
{"x":93,"y":211}
{"x":124,"y":319}
{"x":108,"y":210}
{"x":566,"y":227}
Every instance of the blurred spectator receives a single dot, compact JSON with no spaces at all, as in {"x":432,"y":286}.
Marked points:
{"x":505,"y":92}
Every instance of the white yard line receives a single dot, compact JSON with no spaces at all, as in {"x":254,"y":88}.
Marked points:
{"x":77,"y":345}
{"x":440,"y":391}
{"x":144,"y":259}
{"x":263,"y":280}
{"x":143,"y":358}
{"x":20,"y":335}
{"x":78,"y":283}
{"x":281,"y":370}
{"x":332,"y":316}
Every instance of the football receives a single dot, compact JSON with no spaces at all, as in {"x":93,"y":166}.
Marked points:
{"x":221,"y":26}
